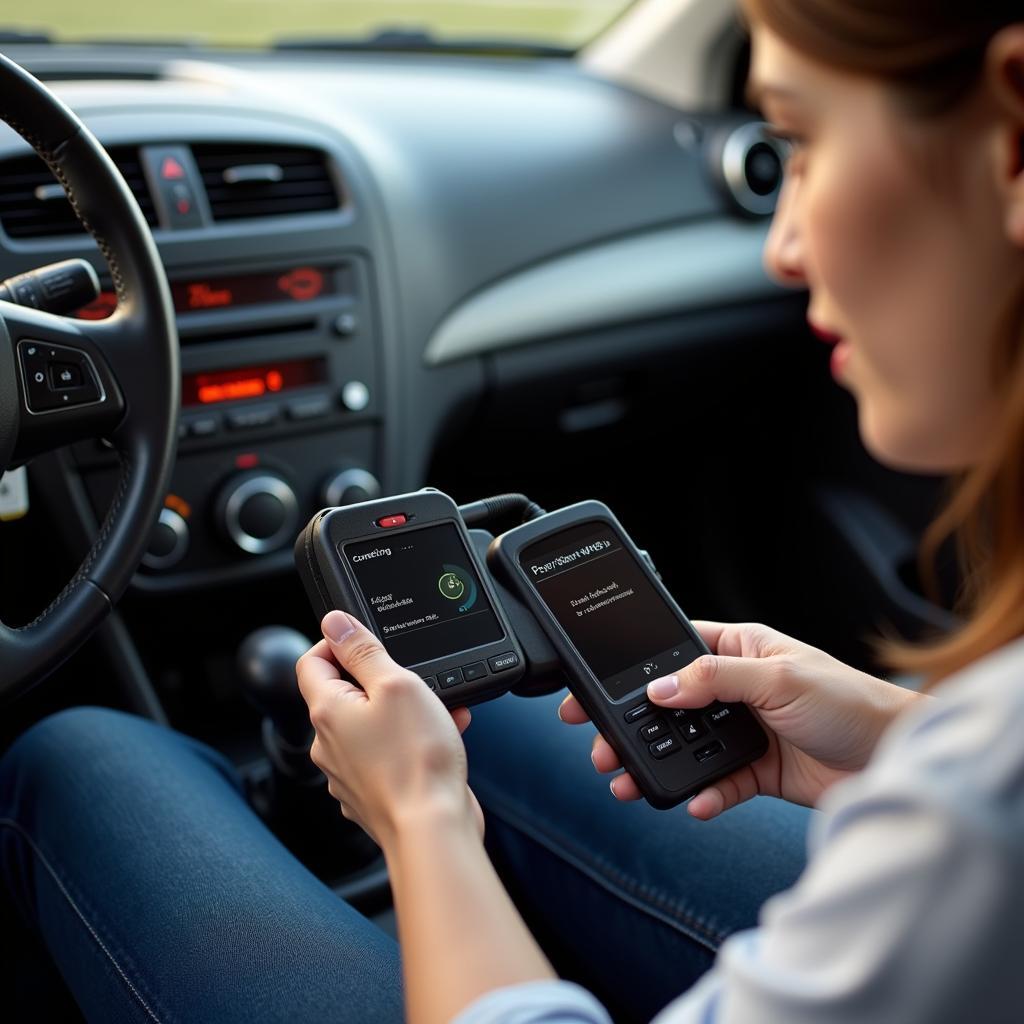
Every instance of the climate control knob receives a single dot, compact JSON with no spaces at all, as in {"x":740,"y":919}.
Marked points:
{"x":350,"y":485}
{"x":258,"y":512}
{"x":168,"y":542}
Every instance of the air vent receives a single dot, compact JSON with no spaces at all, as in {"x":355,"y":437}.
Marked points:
{"x":33,"y":205}
{"x":264,"y":181}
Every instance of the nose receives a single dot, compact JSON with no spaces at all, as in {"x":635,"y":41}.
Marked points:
{"x":783,"y":248}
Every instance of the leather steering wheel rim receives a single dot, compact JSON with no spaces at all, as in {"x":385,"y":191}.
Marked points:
{"x":134,"y":355}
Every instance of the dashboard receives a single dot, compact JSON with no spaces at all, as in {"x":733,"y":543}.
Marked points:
{"x":362,"y":249}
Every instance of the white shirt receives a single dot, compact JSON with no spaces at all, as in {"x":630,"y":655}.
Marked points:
{"x":911,"y":907}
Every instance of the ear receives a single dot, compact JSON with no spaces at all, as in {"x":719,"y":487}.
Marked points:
{"x":1004,"y":72}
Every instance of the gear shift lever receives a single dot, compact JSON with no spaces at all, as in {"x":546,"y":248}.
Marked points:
{"x":266,"y":665}
{"x":294,"y":801}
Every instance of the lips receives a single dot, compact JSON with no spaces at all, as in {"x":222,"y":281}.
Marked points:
{"x":825,"y":335}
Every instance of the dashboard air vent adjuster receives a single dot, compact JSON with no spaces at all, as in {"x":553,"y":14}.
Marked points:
{"x":33,"y":204}
{"x":264,"y":181}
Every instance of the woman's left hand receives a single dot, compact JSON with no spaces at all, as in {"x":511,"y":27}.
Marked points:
{"x":390,"y":749}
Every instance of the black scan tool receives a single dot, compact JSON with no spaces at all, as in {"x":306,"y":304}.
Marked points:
{"x":616,"y":628}
{"x":406,"y":568}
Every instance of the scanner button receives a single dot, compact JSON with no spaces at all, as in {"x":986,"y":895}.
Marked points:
{"x":475,"y":671}
{"x":389,"y":521}
{"x":431,"y":682}
{"x":450,"y":678}
{"x":654,"y":730}
{"x":708,"y":751}
{"x":662,"y":748}
{"x":500,"y":662}
{"x":640,"y":711}
{"x":690,"y":728}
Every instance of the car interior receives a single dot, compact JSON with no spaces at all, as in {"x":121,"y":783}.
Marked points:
{"x":396,"y":262}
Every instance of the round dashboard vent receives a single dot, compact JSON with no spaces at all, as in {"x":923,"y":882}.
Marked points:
{"x":752,"y":164}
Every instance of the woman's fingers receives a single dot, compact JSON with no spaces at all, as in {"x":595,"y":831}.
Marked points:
{"x":461,"y":717}
{"x":725,"y":793}
{"x":605,"y":759}
{"x":571,"y":712}
{"x":624,"y":788}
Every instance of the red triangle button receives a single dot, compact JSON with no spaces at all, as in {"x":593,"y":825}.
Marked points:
{"x":171,"y":169}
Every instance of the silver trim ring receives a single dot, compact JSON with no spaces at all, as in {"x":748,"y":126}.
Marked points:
{"x":735,"y":152}
{"x":352,"y":477}
{"x":178,"y":526}
{"x":265,"y":484}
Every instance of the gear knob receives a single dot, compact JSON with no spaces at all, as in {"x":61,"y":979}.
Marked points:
{"x":266,"y":666}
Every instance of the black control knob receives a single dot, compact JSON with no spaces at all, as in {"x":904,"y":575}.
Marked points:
{"x":258,"y":512}
{"x":350,"y":485}
{"x":168,"y":542}
{"x":266,"y":669}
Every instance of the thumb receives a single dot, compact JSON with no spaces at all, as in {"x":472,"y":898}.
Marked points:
{"x":359,"y":652}
{"x":714,"y":677}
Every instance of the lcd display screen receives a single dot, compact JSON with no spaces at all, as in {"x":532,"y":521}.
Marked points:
{"x":423,"y":592}
{"x":621,"y":626}
{"x":251,"y":381}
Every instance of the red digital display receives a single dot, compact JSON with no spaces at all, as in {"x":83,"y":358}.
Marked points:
{"x":299,"y":284}
{"x":251,"y":381}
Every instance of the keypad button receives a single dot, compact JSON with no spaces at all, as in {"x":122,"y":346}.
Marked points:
{"x":708,"y":751}
{"x":718,"y":716}
{"x":430,"y":681}
{"x":634,"y":714}
{"x":690,"y":728}
{"x":450,"y":678}
{"x":475,"y":671}
{"x":500,"y":662}
{"x":654,"y":730}
{"x":664,"y":747}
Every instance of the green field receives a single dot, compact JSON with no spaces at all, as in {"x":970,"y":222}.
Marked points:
{"x":255,"y":22}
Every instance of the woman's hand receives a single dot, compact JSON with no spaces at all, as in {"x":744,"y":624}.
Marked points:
{"x":822,"y":717}
{"x":390,"y":750}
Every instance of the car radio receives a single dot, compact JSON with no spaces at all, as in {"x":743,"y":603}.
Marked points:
{"x":406,"y":566}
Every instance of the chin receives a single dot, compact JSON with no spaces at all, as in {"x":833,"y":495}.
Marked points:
{"x":908,"y":448}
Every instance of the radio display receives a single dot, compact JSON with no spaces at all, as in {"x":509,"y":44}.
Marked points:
{"x":295,"y":286}
{"x":251,"y":381}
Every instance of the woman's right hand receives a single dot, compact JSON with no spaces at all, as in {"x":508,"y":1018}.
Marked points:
{"x":822,"y":717}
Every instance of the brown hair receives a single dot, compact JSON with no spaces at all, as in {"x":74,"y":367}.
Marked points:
{"x":932,"y":52}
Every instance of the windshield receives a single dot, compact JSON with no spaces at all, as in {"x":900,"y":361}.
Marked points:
{"x":547,"y":23}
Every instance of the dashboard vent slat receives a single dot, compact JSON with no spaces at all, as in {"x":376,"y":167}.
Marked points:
{"x":24,"y":215}
{"x":304,"y":185}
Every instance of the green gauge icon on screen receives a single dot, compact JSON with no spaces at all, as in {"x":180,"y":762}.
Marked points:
{"x":457,"y":584}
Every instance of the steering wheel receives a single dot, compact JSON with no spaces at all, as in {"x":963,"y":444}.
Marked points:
{"x":65,"y":380}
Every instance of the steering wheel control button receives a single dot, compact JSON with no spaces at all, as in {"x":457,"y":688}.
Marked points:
{"x":654,"y":730}
{"x":56,"y":377}
{"x":168,"y":543}
{"x":256,"y":416}
{"x":450,"y":678}
{"x":689,"y":727}
{"x":664,"y":747}
{"x":708,"y":751}
{"x":355,"y":396}
{"x":259,"y":512}
{"x":388,"y":522}
{"x":640,"y":711}
{"x":501,"y":662}
{"x":475,"y":671}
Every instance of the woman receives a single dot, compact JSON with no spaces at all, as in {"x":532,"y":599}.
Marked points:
{"x":903,"y":213}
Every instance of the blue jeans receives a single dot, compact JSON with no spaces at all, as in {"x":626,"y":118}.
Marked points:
{"x":130,"y":850}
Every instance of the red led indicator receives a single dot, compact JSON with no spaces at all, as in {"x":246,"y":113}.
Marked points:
{"x":389,"y":521}
{"x":171,"y":170}
{"x":274,"y":380}
{"x":247,"y":461}
{"x":184,"y":206}
{"x":202,"y":295}
{"x":302,"y":283}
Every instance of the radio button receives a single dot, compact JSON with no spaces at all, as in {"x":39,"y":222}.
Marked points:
{"x":308,"y":408}
{"x":475,"y":671}
{"x":205,"y":426}
{"x":256,"y":416}
{"x":450,"y":678}
{"x":500,"y":662}
{"x":355,"y":396}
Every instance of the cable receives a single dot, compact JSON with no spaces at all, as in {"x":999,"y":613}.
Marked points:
{"x":479,"y":513}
